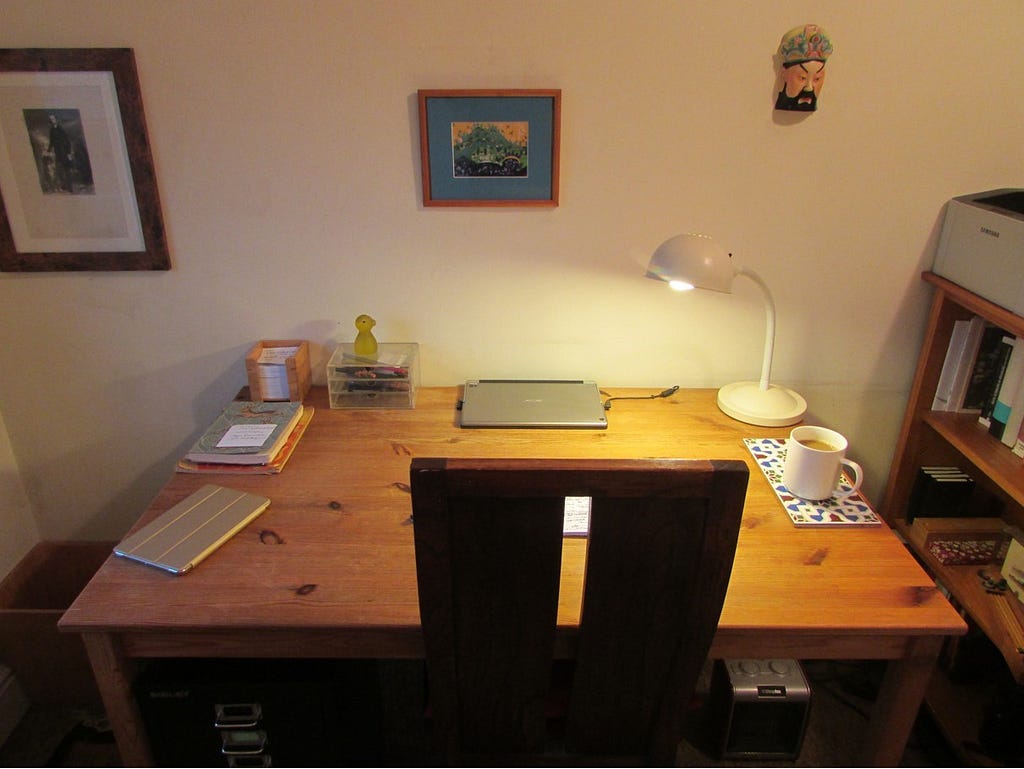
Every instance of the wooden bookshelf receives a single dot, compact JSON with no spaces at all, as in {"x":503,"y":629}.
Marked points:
{"x":939,"y":438}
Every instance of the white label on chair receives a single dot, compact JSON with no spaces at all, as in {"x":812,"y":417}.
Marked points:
{"x":577,"y":517}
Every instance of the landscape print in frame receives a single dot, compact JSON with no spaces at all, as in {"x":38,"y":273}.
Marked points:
{"x":490,"y":147}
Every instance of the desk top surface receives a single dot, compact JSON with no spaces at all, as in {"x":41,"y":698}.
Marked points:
{"x":334,"y":551}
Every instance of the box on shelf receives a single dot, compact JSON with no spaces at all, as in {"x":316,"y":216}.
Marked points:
{"x":1013,"y":568}
{"x":388,"y":380}
{"x":278,"y":370}
{"x":961,"y":541}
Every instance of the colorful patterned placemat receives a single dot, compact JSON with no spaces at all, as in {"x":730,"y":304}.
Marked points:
{"x":770,"y":454}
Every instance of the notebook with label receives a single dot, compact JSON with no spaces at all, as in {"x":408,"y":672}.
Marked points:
{"x":532,"y":403}
{"x":184,"y":535}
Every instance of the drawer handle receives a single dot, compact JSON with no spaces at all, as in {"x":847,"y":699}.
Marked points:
{"x":243,"y":742}
{"x":237,"y":715}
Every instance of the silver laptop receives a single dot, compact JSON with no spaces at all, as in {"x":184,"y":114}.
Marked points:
{"x":533,"y":403}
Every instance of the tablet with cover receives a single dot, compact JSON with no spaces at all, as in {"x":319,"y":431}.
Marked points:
{"x":183,"y":536}
{"x":533,"y":403}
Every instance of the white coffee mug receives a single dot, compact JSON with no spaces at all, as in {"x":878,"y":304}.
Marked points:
{"x":814,"y":458}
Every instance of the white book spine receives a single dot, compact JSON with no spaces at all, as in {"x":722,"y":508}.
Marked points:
{"x":962,"y":378}
{"x":950,"y":366}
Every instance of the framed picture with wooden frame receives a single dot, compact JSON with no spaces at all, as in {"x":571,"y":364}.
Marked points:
{"x":77,"y":182}
{"x":490,"y":147}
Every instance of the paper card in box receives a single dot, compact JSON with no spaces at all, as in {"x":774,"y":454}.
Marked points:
{"x":278,"y":370}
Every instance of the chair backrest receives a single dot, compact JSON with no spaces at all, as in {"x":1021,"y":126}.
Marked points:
{"x":488,"y":558}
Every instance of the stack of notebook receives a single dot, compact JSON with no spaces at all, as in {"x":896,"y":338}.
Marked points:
{"x":249,"y":437}
{"x":939,"y":492}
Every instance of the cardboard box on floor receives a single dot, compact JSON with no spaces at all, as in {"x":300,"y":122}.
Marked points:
{"x":51,"y":667}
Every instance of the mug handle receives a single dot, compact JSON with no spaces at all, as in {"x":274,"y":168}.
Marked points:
{"x":858,"y":477}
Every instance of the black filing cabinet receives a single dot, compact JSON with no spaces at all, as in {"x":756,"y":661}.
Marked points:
{"x":262,"y":712}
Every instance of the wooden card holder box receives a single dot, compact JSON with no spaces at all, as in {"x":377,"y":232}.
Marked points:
{"x":296,"y":368}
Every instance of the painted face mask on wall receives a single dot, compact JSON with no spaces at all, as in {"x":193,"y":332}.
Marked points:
{"x":804,"y":51}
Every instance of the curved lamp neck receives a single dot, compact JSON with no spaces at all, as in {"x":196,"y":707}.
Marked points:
{"x":769,"y":330}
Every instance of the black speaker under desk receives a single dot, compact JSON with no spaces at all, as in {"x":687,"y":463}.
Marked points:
{"x":759,"y":708}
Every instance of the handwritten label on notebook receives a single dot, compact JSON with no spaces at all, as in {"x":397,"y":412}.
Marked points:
{"x":238,"y":436}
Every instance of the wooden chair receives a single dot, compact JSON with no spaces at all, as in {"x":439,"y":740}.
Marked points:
{"x":488,"y":556}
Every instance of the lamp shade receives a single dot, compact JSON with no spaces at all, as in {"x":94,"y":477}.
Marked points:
{"x":696,"y":261}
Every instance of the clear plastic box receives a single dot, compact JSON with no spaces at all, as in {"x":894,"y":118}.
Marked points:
{"x":388,"y":380}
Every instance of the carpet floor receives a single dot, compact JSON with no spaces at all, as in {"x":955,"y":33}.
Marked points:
{"x":841,"y":698}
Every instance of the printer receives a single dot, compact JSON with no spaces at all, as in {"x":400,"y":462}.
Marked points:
{"x":982,"y":246}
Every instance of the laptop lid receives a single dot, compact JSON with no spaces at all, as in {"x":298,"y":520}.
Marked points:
{"x":533,"y":403}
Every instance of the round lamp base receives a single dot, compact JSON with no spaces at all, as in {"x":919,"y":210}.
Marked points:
{"x":774,"y":407}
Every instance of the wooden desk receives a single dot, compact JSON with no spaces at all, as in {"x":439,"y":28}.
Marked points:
{"x":329,"y":569}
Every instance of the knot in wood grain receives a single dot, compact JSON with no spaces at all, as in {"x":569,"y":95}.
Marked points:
{"x":817,"y":557}
{"x":268,"y":537}
{"x":921,"y":594}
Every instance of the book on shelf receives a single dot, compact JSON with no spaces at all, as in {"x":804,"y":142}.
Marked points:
{"x":1015,"y":414}
{"x":274,"y":466}
{"x":1018,"y":447}
{"x":1008,"y":391}
{"x":984,"y":369}
{"x":247,"y":433}
{"x":939,"y":492}
{"x":995,"y":372}
{"x":959,"y":364}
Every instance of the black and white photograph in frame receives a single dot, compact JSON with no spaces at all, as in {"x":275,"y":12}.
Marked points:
{"x":76,"y":173}
{"x":60,"y":151}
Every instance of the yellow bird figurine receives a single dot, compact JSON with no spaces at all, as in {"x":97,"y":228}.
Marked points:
{"x":366,"y":344}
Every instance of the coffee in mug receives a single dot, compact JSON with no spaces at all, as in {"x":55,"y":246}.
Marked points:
{"x":820,"y":445}
{"x":815,"y":456}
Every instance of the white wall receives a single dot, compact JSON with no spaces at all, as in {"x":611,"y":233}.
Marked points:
{"x":285,"y":141}
{"x":19,"y":527}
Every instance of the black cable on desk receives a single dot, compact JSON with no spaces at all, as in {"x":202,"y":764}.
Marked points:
{"x":662,"y":394}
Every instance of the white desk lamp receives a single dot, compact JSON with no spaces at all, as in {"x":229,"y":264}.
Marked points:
{"x":696,"y":261}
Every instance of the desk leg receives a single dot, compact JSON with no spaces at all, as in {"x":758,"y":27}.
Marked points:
{"x":114,"y":675}
{"x":899,"y":701}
